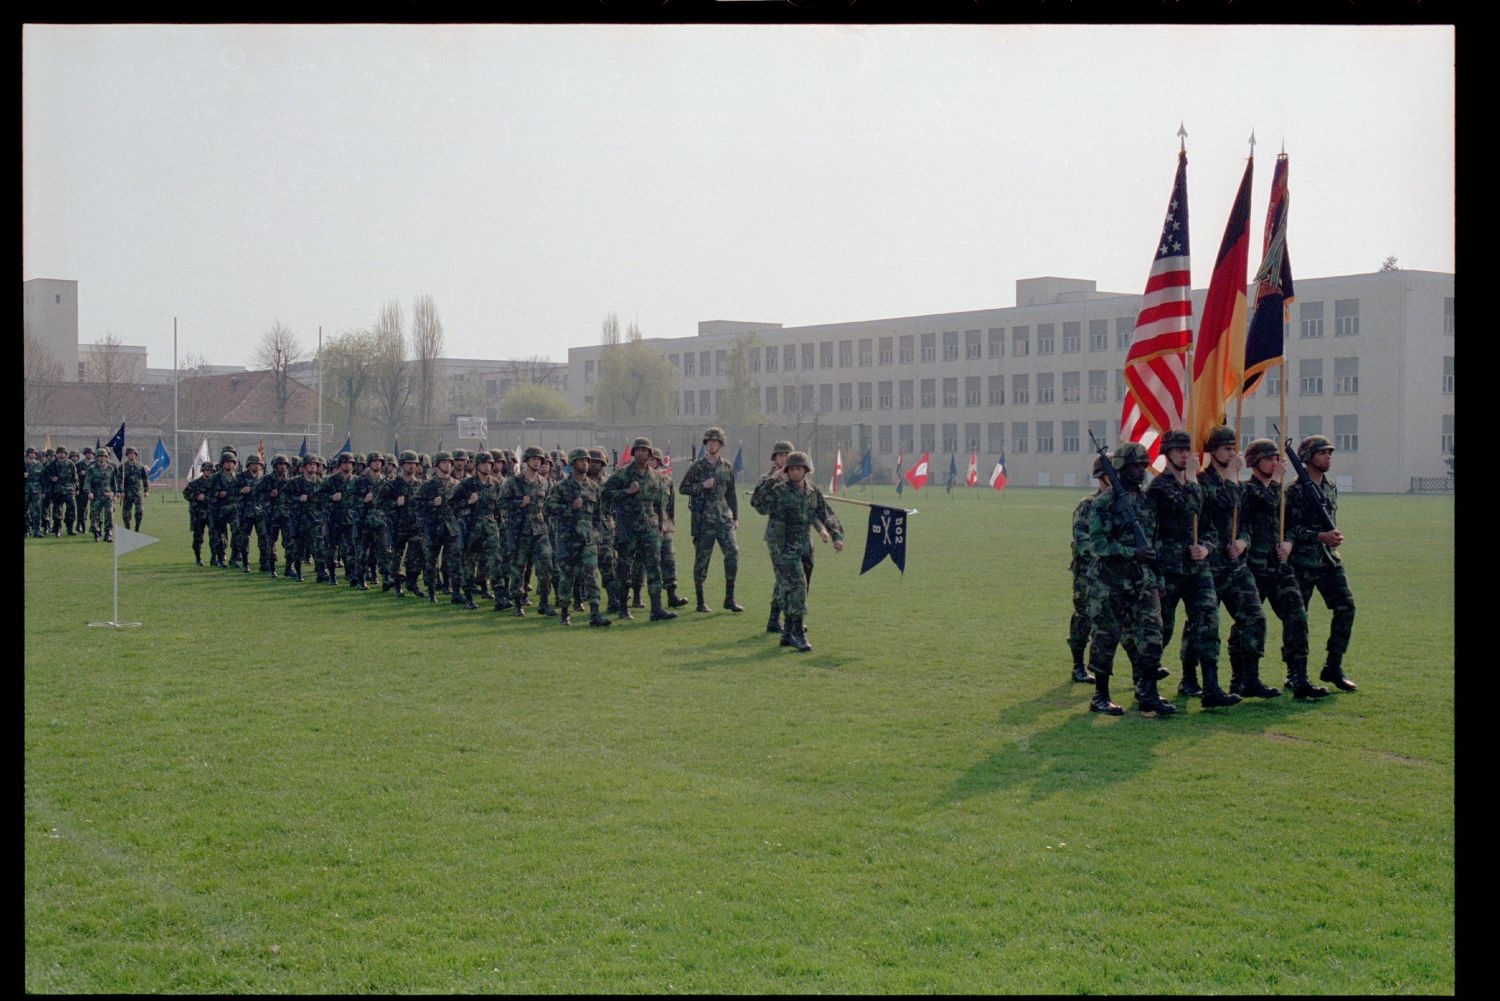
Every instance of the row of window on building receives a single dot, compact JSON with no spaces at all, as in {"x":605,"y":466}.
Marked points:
{"x":999,"y":390}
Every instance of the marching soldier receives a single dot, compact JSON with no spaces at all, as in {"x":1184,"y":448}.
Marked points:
{"x":82,"y":466}
{"x":405,"y":560}
{"x":312,"y":523}
{"x":1082,"y":567}
{"x":1182,"y":562}
{"x":709,"y":482}
{"x":36,"y":495}
{"x":60,"y":480}
{"x":442,"y":536}
{"x":269,"y":491}
{"x":247,"y":511}
{"x":343,"y":534}
{"x":1274,"y":577}
{"x":571,"y":507}
{"x":637,"y":493}
{"x":758,"y":496}
{"x":523,"y":497}
{"x":135,"y":487}
{"x":195,"y":492}
{"x":221,"y":507}
{"x":668,"y":531}
{"x":103,"y":481}
{"x":371,"y":530}
{"x":1315,"y":554}
{"x":792,"y":506}
{"x":479,"y":495}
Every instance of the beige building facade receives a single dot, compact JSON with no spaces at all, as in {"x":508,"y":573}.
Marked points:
{"x":49,"y":312}
{"x":1369,"y":363}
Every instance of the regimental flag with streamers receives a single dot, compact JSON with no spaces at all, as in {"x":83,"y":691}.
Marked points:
{"x":900,"y":477}
{"x":838,"y":470}
{"x":160,"y":460}
{"x":1163,"y":330}
{"x":1219,"y":360}
{"x":886,"y":536}
{"x":917,"y":474}
{"x":117,"y":443}
{"x":1273,"y":287}
{"x":952,"y":473}
{"x":973,"y":475}
{"x":862,"y":473}
{"x":997,"y":478}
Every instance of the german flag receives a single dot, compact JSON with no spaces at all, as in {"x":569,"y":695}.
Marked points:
{"x":1219,"y":361}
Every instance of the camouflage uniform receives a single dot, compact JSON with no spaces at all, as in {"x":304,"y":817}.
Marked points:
{"x":405,"y":559}
{"x":1082,"y":566}
{"x":60,"y":479}
{"x":714,"y":510}
{"x":572,"y":506}
{"x":221,"y":509}
{"x":82,"y":502}
{"x":1234,"y":582}
{"x":668,"y":532}
{"x":792,"y":510}
{"x":524,"y":503}
{"x":35,"y":496}
{"x":103,"y":480}
{"x":638,"y":525}
{"x":1318,"y":566}
{"x":247,"y":512}
{"x":1124,"y":595}
{"x":482,"y":535}
{"x":442,"y":535}
{"x":604,"y":535}
{"x":343,"y":531}
{"x":195,"y":492}
{"x":312,"y":521}
{"x":135,"y":488}
{"x":1274,"y":578}
{"x":372,"y":530}
{"x":269,"y":490}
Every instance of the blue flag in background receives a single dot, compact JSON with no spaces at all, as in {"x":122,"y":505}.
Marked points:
{"x":952,"y":471}
{"x":739,"y":460}
{"x":117,"y":443}
{"x":886,"y":536}
{"x":348,"y":444}
{"x":900,"y":480}
{"x":301,"y":452}
{"x":161,"y":460}
{"x":863,"y":472}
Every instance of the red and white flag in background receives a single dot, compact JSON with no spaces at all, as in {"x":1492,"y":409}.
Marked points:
{"x":917,"y":474}
{"x":838,"y":470}
{"x":997,"y":478}
{"x":973,"y":476}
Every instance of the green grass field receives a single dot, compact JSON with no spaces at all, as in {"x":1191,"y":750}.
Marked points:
{"x":274,"y":787}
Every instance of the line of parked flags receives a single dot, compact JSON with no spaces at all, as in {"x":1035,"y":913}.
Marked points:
{"x":916,"y":477}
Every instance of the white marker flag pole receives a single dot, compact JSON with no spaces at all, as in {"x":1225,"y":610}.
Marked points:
{"x":126,"y":541}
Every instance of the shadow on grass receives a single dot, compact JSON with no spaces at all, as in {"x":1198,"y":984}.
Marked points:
{"x":1089,"y":751}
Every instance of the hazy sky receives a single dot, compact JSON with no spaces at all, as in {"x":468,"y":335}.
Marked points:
{"x":534,"y":178}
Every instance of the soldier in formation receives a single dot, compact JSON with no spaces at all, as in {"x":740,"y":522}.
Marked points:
{"x":794,"y":507}
{"x":1082,"y":566}
{"x":1315,"y":553}
{"x":135,"y":487}
{"x":709,"y":483}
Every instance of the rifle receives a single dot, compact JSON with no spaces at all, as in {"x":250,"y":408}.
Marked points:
{"x":1118,"y":489}
{"x":1312,"y":496}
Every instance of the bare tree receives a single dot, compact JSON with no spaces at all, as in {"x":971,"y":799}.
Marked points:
{"x":634,"y":333}
{"x":390,"y":376}
{"x":194,"y":390}
{"x":278,"y":352}
{"x":1390,"y":264}
{"x":536,"y":370}
{"x":107,"y":366}
{"x":611,"y":329}
{"x":349,"y":362}
{"x":427,"y":348}
{"x":41,"y":374}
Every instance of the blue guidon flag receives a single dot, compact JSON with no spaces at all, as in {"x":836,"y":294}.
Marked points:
{"x":886,"y":536}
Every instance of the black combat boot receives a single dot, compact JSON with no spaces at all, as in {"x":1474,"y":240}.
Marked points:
{"x":431,"y":591}
{"x":1250,"y":684}
{"x":1333,"y":671}
{"x":729,"y":602}
{"x":1188,"y":687}
{"x":773,"y":622}
{"x":1213,"y":695}
{"x":519,"y":610}
{"x":137,"y":523}
{"x":635,"y":601}
{"x":674,"y":600}
{"x":1081,"y":674}
{"x":595,"y":619}
{"x":786,"y":630}
{"x":799,"y":636}
{"x":272,"y":570}
{"x":245,"y":565}
{"x":396,"y":589}
{"x":1236,"y":673}
{"x":484,"y":589}
{"x":543,"y":590}
{"x":1297,"y":683}
{"x":198,"y":555}
{"x":1147,"y":697}
{"x":622,"y":612}
{"x":564,"y":614}
{"x":469,"y":598}
{"x":502,"y":600}
{"x":1100,"y":703}
{"x":702,"y":605}
{"x":659,"y":613}
{"x":456,"y":592}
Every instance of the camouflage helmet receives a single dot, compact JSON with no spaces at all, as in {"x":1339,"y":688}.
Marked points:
{"x":342,"y":458}
{"x":253,"y":459}
{"x":31,"y":450}
{"x":279,"y":459}
{"x":1099,"y":461}
{"x":713,"y":434}
{"x":460,"y":455}
{"x":129,"y":450}
{"x":1261,"y":448}
{"x":576,"y":454}
{"x":62,"y":450}
{"x":424,"y":459}
{"x":782,"y":448}
{"x":443,"y":456}
{"x":656,"y":453}
{"x":407,"y":455}
{"x":800,"y":459}
{"x":205,"y":467}
{"x":373,"y":456}
{"x":597,"y":454}
{"x":1311,"y":444}
{"x":231,"y":450}
{"x":483,"y":456}
{"x":312,"y":458}
{"x":1219,"y":437}
{"x":224,"y":456}
{"x":87,"y":450}
{"x":1132,"y":453}
{"x":1176,"y":438}
{"x":640,"y":443}
{"x":533,"y":452}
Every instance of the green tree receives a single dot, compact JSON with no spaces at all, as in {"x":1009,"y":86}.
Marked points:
{"x":527,"y":399}
{"x":634,"y":381}
{"x":742,"y":395}
{"x":348,"y":367}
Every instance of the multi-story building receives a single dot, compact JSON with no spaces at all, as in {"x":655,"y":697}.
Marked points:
{"x":49,"y":312}
{"x":1369,"y":363}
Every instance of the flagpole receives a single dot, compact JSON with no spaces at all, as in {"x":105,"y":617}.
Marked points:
{"x":175,"y":453}
{"x":851,"y":500}
{"x":1281,"y":512}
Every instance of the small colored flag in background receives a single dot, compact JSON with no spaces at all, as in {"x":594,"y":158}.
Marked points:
{"x":300,"y":452}
{"x":349,"y":444}
{"x":159,"y":461}
{"x":973,"y":475}
{"x":917,"y":474}
{"x":900,"y":476}
{"x":739,"y":461}
{"x":863,"y":472}
{"x":202,"y":455}
{"x":885,"y":536}
{"x":997,"y":478}
{"x":952,"y":472}
{"x":260,"y":450}
{"x":117,"y":443}
{"x":838,"y":470}
{"x":623,"y":461}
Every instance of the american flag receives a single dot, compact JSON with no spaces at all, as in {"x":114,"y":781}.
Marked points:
{"x":1163,"y":331}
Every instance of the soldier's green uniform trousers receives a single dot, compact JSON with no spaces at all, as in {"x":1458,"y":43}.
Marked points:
{"x":266,"y":526}
{"x":244,"y":522}
{"x":132,"y":502}
{"x":481,"y":551}
{"x":219,"y":520}
{"x":1128,"y":612}
{"x":1278,"y":584}
{"x":1235,"y":585}
{"x":1200,"y":602}
{"x":198,"y":522}
{"x":787,"y":559}
{"x":577,"y":561}
{"x":441,"y":548}
{"x":704,"y":539}
{"x":36,"y":512}
{"x":61,"y":511}
{"x":375,"y":537}
{"x":70,"y":510}
{"x":537,"y":550}
{"x":102,"y":516}
{"x":406,"y":558}
{"x":1078,"y":626}
{"x":1329,"y":581}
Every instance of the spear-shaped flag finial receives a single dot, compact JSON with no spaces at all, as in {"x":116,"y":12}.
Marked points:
{"x":1252,"y":142}
{"x":1182,"y":135}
